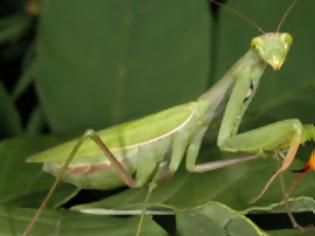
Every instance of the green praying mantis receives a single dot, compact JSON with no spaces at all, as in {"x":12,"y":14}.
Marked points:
{"x":136,"y":152}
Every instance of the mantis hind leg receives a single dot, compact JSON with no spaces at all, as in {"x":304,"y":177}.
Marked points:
{"x":107,"y":153}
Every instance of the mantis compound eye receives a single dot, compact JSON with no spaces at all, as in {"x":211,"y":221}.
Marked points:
{"x":286,"y":38}
{"x":256,"y":42}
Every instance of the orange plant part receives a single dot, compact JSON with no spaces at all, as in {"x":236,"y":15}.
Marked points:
{"x":309,"y":166}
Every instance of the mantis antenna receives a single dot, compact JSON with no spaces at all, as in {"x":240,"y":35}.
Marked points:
{"x":286,"y":13}
{"x":236,"y":12}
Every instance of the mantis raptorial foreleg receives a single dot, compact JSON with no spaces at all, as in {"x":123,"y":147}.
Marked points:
{"x":275,"y":136}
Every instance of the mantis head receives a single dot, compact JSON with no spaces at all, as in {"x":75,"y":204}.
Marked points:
{"x":272,"y":48}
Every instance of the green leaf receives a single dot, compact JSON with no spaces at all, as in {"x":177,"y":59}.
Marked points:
{"x":11,"y":28}
{"x":296,"y":204}
{"x":192,"y":222}
{"x":291,"y":232}
{"x":9,"y":117}
{"x":23,"y":184}
{"x":113,"y":61}
{"x":35,"y":123}
{"x":215,"y":219}
{"x":13,"y":221}
{"x":28,"y":73}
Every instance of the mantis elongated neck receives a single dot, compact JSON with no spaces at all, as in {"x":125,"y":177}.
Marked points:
{"x":249,"y":66}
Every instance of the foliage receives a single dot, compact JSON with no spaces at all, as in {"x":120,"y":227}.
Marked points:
{"x":80,"y":65}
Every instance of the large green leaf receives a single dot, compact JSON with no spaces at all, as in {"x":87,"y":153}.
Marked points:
{"x":215,"y":219}
{"x":14,"y":220}
{"x":139,"y":46}
{"x":23,"y":184}
{"x":108,"y":61}
{"x":115,"y":60}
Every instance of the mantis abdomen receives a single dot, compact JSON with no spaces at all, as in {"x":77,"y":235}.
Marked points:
{"x":136,"y":144}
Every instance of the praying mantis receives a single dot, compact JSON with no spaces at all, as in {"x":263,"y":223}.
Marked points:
{"x":131,"y":153}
